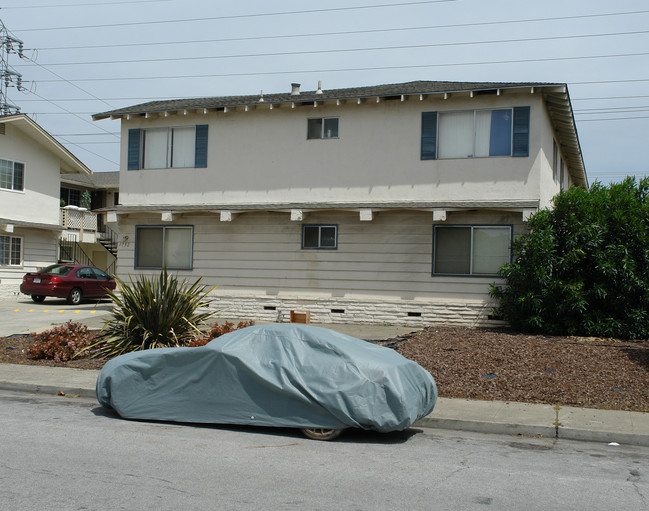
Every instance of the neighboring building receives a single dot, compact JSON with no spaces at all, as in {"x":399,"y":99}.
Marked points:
{"x":86,"y":238}
{"x":386,"y":204}
{"x":31,"y":165}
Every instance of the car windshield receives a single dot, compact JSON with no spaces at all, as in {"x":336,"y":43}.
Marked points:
{"x":57,"y":269}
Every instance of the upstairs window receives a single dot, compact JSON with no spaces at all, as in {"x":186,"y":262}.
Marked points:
{"x":12,"y":175}
{"x":475,"y":133}
{"x":11,"y":251}
{"x":317,"y":236}
{"x":471,"y":249}
{"x":169,"y":147}
{"x":323,"y":127}
{"x":70,"y":196}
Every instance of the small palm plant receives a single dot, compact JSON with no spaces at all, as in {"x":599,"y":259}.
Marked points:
{"x":153,"y":312}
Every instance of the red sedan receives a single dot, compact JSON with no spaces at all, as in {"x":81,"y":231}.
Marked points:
{"x":71,"y":281}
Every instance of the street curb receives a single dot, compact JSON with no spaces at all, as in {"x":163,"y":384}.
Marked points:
{"x":496,"y":428}
{"x":603,"y":437}
{"x":47,"y":389}
{"x":534,"y":431}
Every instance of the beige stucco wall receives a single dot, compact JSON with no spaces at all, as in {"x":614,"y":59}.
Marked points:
{"x":263,"y":156}
{"x":39,"y":202}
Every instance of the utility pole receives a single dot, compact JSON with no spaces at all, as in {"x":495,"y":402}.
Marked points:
{"x":8,"y":77}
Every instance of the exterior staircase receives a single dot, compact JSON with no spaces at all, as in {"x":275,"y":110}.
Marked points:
{"x":108,"y":240}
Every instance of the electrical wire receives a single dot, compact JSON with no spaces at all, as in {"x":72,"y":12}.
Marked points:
{"x":357,"y":69}
{"x":82,"y":5}
{"x":336,"y":34}
{"x":340,"y":50}
{"x":240,"y":16}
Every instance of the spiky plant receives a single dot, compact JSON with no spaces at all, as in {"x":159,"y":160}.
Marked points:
{"x":153,"y":312}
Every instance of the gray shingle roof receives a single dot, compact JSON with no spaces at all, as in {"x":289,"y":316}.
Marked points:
{"x":395,"y":89}
{"x":94,"y":180}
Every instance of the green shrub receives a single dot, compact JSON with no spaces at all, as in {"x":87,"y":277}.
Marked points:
{"x":61,"y":343}
{"x":153,"y":312}
{"x":583,"y":267}
{"x":217,"y":331}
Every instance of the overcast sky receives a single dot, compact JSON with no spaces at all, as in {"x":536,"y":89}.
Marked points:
{"x":83,"y":57}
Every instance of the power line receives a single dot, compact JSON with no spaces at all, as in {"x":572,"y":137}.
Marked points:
{"x":350,"y":32}
{"x":373,"y":68}
{"x":612,"y":119}
{"x":89,"y":151}
{"x":116,"y":133}
{"x":71,"y":83}
{"x":600,"y":98}
{"x":240,"y":16}
{"x":341,"y":50}
{"x":636,"y":108}
{"x":69,"y":112}
{"x":82,"y":5}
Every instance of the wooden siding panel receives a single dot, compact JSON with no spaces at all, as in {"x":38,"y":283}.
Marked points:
{"x":261,"y":253}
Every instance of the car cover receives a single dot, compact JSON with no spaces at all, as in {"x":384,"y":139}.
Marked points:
{"x":271,"y":375}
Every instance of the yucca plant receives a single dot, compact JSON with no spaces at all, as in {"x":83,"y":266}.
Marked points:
{"x":153,"y":312}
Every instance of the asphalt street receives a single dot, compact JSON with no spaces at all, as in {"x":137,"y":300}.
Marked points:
{"x":62,"y":453}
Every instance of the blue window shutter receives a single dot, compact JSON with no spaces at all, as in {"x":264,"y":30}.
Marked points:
{"x":521,"y":146}
{"x":500,"y":141}
{"x":133,"y":149}
{"x":429,"y":135}
{"x":200,"y":161}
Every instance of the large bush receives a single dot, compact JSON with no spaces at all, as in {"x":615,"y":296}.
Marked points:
{"x":583,"y":268}
{"x":153,"y":312}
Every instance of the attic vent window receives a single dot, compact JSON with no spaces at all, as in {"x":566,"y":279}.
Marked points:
{"x":2,"y":128}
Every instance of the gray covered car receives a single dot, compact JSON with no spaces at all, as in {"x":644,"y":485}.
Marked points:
{"x":292,"y":375}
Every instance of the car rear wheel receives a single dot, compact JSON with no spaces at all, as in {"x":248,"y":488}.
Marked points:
{"x":74,"y":298}
{"x":321,"y":433}
{"x":38,"y":298}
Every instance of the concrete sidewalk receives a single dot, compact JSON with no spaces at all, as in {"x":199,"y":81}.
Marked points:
{"x":629,"y":428}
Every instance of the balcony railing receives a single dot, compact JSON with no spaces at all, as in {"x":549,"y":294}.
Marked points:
{"x":79,"y":219}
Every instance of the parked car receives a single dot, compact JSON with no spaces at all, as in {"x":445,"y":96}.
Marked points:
{"x":71,"y":281}
{"x":290,"y":375}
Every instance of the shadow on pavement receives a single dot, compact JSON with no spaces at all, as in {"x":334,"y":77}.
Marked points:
{"x":355,"y":436}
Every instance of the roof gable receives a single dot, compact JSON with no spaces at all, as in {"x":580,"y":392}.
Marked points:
{"x":70,"y":164}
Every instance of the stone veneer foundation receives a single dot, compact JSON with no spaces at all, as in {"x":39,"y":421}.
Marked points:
{"x":344,"y":310}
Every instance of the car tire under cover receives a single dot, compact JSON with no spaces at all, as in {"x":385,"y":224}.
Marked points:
{"x":74,"y":298}
{"x":38,"y":298}
{"x":321,"y":433}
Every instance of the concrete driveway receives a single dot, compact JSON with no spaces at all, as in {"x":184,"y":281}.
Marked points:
{"x":20,"y":315}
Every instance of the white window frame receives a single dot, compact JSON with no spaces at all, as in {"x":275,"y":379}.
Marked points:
{"x":13,"y":176}
{"x":475,"y":112}
{"x":471,"y":254}
{"x":323,"y":134}
{"x":165,"y":229}
{"x":169,"y":149}
{"x":11,"y":261}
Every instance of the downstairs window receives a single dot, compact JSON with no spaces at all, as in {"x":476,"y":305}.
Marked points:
{"x":157,"y":247}
{"x":471,"y":249}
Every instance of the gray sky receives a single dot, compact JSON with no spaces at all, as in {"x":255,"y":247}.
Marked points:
{"x":84,"y":57}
